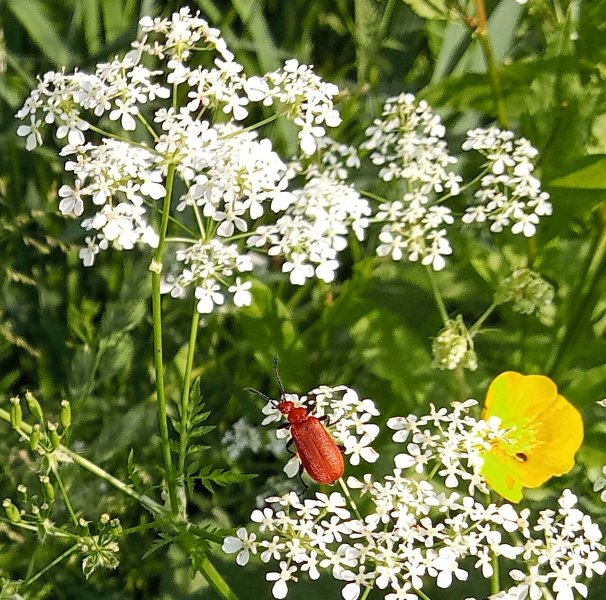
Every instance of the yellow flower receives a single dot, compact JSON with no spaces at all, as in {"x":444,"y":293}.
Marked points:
{"x":543,"y":433}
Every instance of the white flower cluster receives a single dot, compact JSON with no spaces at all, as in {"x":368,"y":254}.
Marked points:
{"x":243,"y":436}
{"x":414,"y":230}
{"x":230,"y":173}
{"x":566,"y":551}
{"x":407,"y":143}
{"x":233,"y":177}
{"x":314,"y":228}
{"x":509,"y":193}
{"x":415,"y":532}
{"x":206,"y":265}
{"x":305,"y":97}
{"x":335,"y":160}
{"x":348,"y":420}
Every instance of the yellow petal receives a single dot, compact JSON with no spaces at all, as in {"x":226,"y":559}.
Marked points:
{"x":514,"y":397}
{"x":499,"y":477}
{"x":559,"y":435}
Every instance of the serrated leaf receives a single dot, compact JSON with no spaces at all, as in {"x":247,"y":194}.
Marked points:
{"x":429,"y":9}
{"x":201,"y":430}
{"x":221,"y":477}
{"x":156,"y":545}
{"x":195,"y":448}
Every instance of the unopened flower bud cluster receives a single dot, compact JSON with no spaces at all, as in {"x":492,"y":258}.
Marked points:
{"x":453,"y":346}
{"x":529,"y":292}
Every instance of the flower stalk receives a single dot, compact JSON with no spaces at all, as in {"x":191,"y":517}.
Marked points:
{"x":185,"y":408}
{"x":481,"y":30}
{"x":157,"y":327}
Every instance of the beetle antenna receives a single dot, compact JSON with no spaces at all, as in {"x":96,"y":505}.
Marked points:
{"x":280,"y":385}
{"x":261,"y":395}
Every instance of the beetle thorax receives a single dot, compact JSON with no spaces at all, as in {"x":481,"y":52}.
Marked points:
{"x":298,"y":414}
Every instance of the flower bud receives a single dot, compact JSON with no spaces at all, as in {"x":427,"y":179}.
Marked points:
{"x":453,"y":346}
{"x":12,"y":512}
{"x":116,"y":527}
{"x":34,"y":407}
{"x":47,"y":486}
{"x":16,"y":412}
{"x":34,"y":438}
{"x":54,"y":435}
{"x":66,"y":414}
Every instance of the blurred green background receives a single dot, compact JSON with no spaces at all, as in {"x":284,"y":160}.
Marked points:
{"x":85,"y":334}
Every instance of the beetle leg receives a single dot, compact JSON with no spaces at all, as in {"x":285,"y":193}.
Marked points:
{"x":305,"y":486}
{"x":289,"y":446}
{"x":341,"y":448}
{"x":310,"y":403}
{"x":283,"y":426}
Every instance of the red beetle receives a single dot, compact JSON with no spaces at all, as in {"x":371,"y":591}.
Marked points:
{"x":320,"y":456}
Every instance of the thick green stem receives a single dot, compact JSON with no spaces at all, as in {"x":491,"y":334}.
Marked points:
{"x":491,"y":65}
{"x":215,"y":579}
{"x":191,"y":349}
{"x":156,"y":269}
{"x":51,"y":564}
{"x":495,"y":580}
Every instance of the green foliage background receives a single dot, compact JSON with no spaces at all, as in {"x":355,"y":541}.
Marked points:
{"x":85,"y":334}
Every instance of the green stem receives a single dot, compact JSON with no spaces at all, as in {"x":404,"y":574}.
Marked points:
{"x":191,"y":350}
{"x":433,"y":472}
{"x":350,"y":500}
{"x":491,"y":65}
{"x":147,"y":126}
{"x":372,"y":196}
{"x":495,"y":580}
{"x":120,"y":138}
{"x":252,"y":127}
{"x":143,"y":499}
{"x":25,"y":429}
{"x":422,"y":594}
{"x":52,"y":531}
{"x":50,"y":565}
{"x":364,"y":595}
{"x":215,"y":579}
{"x":438,"y":296}
{"x":157,"y":326}
{"x":66,"y":499}
{"x":478,"y":324}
